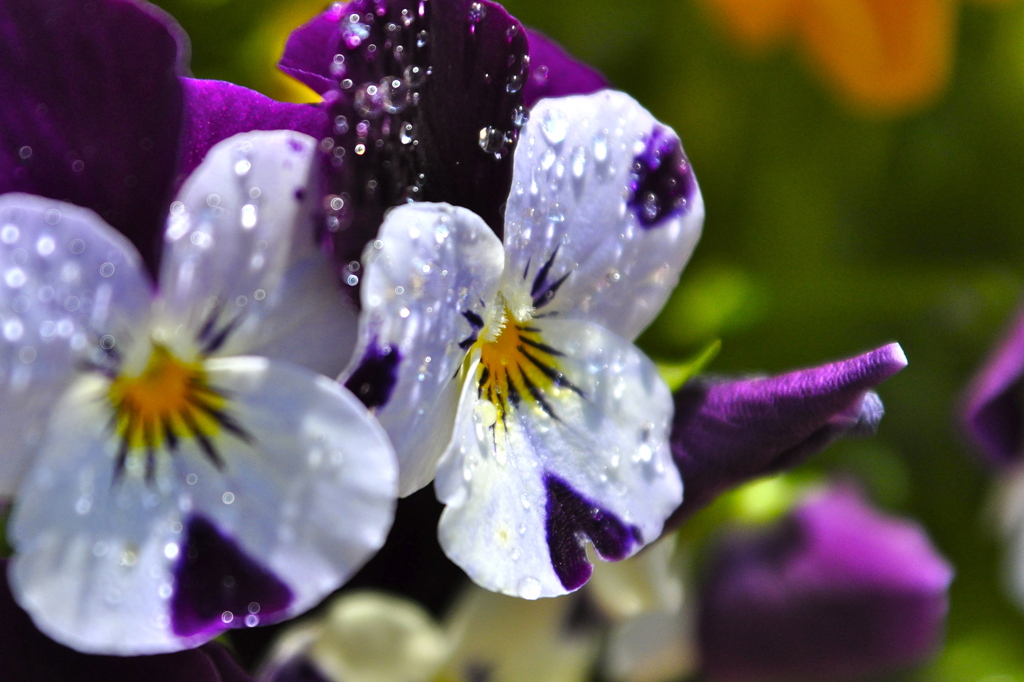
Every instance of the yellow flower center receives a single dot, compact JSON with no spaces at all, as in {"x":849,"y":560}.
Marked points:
{"x":168,"y":401}
{"x":516,"y":365}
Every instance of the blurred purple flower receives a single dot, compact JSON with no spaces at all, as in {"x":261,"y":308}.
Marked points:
{"x":994,"y":409}
{"x":95,"y":111}
{"x":836,"y":591}
{"x":728,"y":432}
{"x":27,"y":654}
{"x":426,"y":99}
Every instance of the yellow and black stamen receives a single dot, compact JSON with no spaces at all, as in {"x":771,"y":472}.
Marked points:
{"x":518,"y":368}
{"x":171,"y":400}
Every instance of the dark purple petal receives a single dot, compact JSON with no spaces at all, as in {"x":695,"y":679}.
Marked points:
{"x":661,"y":181}
{"x":27,"y":654}
{"x":375,"y":377}
{"x":554,"y":73}
{"x":571,"y":519}
{"x":309,"y":53}
{"x":836,"y":591}
{"x":91,"y":109}
{"x":425,"y":100}
{"x":728,"y":432}
{"x":994,"y":411}
{"x":215,"y":110}
{"x":217,"y":586}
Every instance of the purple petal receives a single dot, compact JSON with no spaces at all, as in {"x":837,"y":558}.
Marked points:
{"x":27,"y":654}
{"x":92,"y":109}
{"x":995,"y":403}
{"x":836,"y":591}
{"x":425,"y":99}
{"x":217,"y":586}
{"x":555,"y":73}
{"x":309,"y":52}
{"x":728,"y":432}
{"x":215,"y":110}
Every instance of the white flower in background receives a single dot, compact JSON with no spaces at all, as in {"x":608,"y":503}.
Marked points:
{"x":509,"y":370}
{"x":178,"y":467}
{"x":377,"y":637}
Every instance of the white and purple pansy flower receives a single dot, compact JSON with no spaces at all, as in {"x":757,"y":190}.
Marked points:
{"x":178,"y":464}
{"x":510,"y":370}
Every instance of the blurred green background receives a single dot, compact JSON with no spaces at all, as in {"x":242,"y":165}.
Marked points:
{"x":829,"y":231}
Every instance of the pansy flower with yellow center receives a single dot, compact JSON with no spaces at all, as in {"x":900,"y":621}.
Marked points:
{"x":510,"y":370}
{"x":178,"y":462}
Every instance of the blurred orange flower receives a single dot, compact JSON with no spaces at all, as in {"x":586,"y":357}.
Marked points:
{"x":888,"y":56}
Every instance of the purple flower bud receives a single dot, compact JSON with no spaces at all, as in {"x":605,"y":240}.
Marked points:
{"x":728,"y":432}
{"x":835,"y":591}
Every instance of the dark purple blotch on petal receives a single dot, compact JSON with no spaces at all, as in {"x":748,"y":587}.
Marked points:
{"x":215,"y":110}
{"x":835,"y":591}
{"x":424,"y":99}
{"x":92,"y":108}
{"x":375,"y":377}
{"x":661,"y":181}
{"x":26,"y":654}
{"x":555,"y":73}
{"x":725,"y":433}
{"x":217,"y":585}
{"x":572,"y":518}
{"x":994,"y":409}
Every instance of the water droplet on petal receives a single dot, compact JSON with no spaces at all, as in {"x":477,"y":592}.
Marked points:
{"x":555,"y":126}
{"x":579,"y":162}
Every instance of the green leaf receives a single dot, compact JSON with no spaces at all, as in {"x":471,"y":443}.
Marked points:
{"x":677,"y":374}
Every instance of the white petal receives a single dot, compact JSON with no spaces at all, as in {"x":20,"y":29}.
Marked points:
{"x":305,"y":500}
{"x":243,"y":219}
{"x":589,"y":456}
{"x":574,"y":211}
{"x":69,"y":285}
{"x":432,"y":269}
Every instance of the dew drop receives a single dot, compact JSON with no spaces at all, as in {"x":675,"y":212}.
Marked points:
{"x":492,"y":140}
{"x":243,"y":166}
{"x":520,"y":116}
{"x":107,"y":269}
{"x":77,"y":246}
{"x":578,"y":162}
{"x":485,"y":413}
{"x":191,"y":479}
{"x":414,"y":76}
{"x":13,"y":330}
{"x":555,"y":126}
{"x":227,"y":617}
{"x":228,"y":498}
{"x":477,"y":12}
{"x":9,"y":234}
{"x":529,"y":588}
{"x":15,"y":277}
